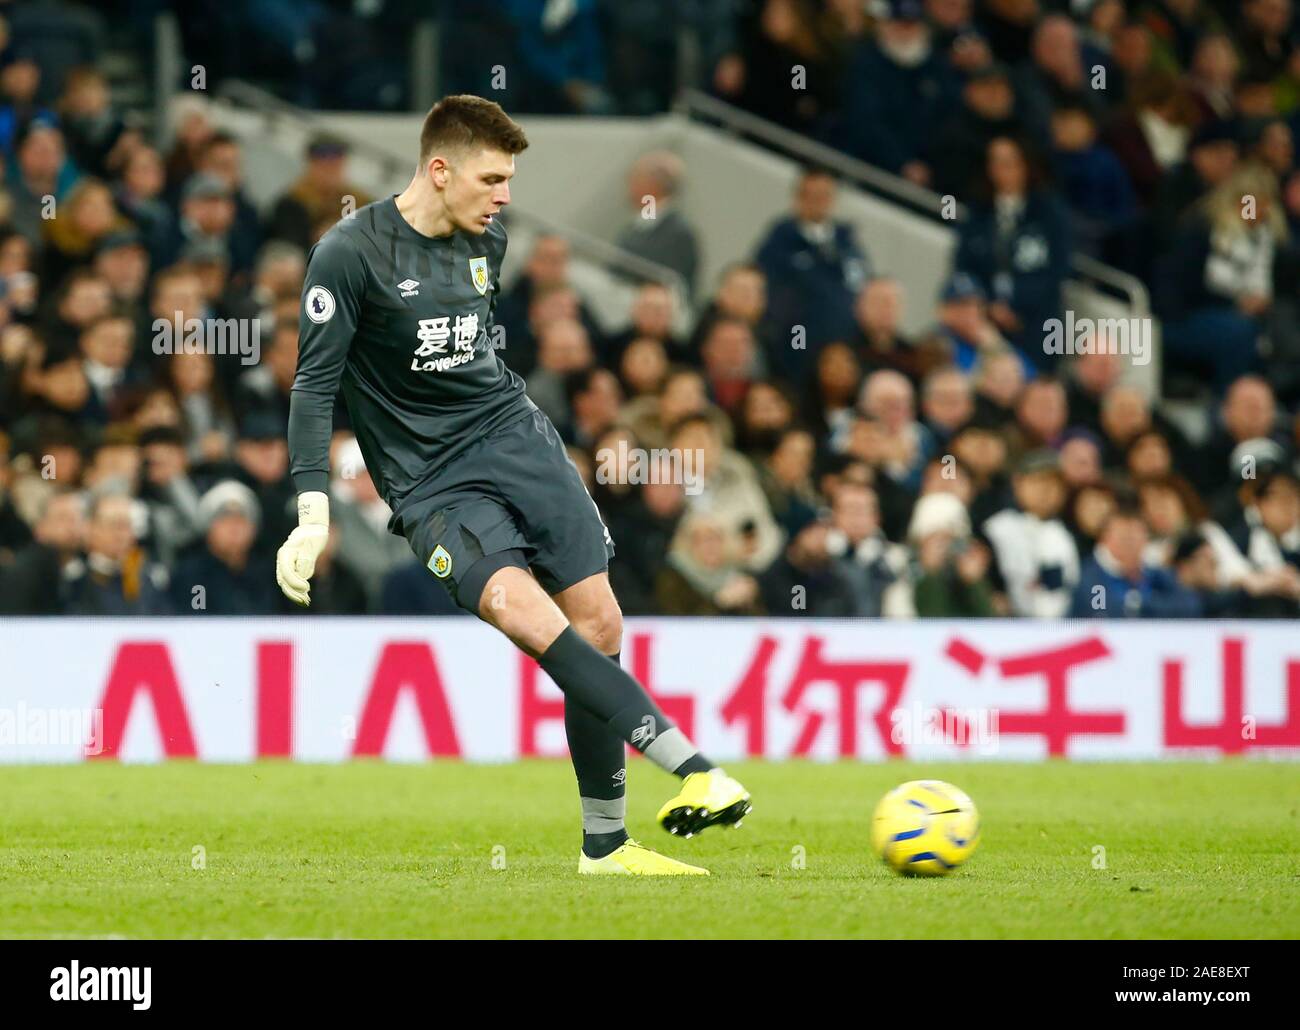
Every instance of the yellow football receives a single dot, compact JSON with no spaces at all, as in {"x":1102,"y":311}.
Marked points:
{"x":925,"y":828}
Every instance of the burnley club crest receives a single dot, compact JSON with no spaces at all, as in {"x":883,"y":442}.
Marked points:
{"x":478,"y":274}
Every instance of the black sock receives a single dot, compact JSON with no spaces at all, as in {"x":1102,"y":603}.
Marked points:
{"x":588,"y":678}
{"x":599,"y":761}
{"x":696,"y":763}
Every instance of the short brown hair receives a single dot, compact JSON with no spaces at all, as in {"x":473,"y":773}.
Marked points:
{"x":1191,"y":501}
{"x":466,"y":122}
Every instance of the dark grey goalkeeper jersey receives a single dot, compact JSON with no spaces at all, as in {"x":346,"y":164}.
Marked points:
{"x":404,"y":323}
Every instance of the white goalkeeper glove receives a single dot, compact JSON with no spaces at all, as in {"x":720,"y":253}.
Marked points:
{"x":296,"y":560}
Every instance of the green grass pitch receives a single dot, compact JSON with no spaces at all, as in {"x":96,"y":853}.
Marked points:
{"x":454,"y":850}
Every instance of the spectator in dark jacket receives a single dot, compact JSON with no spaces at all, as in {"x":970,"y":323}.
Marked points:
{"x":173,"y":501}
{"x":786,"y":474}
{"x":221,"y":578}
{"x":860,"y":555}
{"x":642,"y":522}
{"x":1212,"y":75}
{"x":14,"y":531}
{"x":541,"y":293}
{"x":878,"y":340}
{"x":32,"y":584}
{"x":208,"y":216}
{"x":1249,"y":412}
{"x":1267,"y":538}
{"x":1196,"y":568}
{"x":1092,"y":376}
{"x":94,"y":130}
{"x":899,"y":90}
{"x":651,"y":317}
{"x":1216,"y":284}
{"x":19,"y":81}
{"x":1176,"y":26}
{"x":1008,"y":25}
{"x":105,"y":362}
{"x":1116,"y":584}
{"x":1016,"y":244}
{"x":1095,"y":185}
{"x":989,"y":109}
{"x":742,"y":295}
{"x":1059,"y":73}
{"x":316,"y":200}
{"x":39,"y":168}
{"x":222,"y":157}
{"x":139,"y":195}
{"x":115,"y":577}
{"x":264,"y":388}
{"x":814,"y":266}
{"x":805,"y":581}
{"x":774,"y":37}
{"x":262,"y":459}
{"x":1267,"y":36}
{"x":561,"y":54}
{"x":122,"y":261}
{"x":1211,"y":158}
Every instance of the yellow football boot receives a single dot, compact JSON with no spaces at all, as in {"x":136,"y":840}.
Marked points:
{"x":633,"y":859}
{"x":706,"y":799}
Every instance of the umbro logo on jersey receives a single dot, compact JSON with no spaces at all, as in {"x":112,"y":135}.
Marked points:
{"x":409,"y":287}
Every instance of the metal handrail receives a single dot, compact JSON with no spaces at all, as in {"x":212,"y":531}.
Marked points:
{"x":632,"y":266}
{"x":695,"y":103}
{"x":246,"y":95}
{"x":1139,"y":298}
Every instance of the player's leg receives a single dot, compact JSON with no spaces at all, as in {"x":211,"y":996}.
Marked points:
{"x":514,"y":602}
{"x":569,"y":545}
{"x":598,"y":753}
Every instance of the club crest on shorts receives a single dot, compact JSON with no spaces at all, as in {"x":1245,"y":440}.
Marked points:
{"x":440,"y":562}
{"x":478,"y":273}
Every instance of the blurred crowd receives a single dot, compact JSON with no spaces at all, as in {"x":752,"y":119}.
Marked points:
{"x":849,"y":468}
{"x":1129,"y":130}
{"x":783,"y":447}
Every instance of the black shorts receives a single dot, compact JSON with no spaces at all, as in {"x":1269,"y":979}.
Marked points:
{"x":514,"y":490}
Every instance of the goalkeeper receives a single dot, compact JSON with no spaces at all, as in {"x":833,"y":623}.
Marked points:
{"x":398,"y":309}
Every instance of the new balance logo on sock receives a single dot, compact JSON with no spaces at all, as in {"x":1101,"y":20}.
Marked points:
{"x":644,"y":734}
{"x":620,"y":777}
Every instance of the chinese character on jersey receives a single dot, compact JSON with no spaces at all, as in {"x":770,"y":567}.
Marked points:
{"x":466,"y":332}
{"x":433,"y":334}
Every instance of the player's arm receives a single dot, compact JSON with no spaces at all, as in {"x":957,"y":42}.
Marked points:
{"x":331,"y":300}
